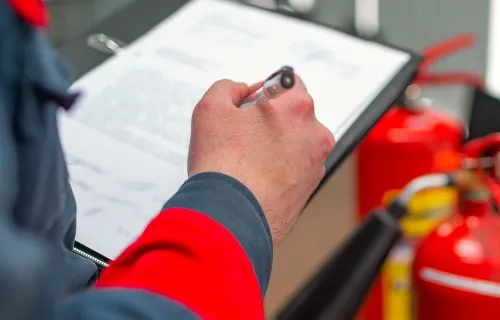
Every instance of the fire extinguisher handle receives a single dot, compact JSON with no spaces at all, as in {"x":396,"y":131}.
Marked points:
{"x":340,"y":287}
{"x":398,"y":208}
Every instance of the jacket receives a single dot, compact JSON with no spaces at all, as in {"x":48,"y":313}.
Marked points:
{"x":207,"y":254}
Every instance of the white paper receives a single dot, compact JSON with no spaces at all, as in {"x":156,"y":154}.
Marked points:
{"x":127,"y":140}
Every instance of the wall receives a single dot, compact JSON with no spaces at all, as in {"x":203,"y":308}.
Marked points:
{"x":493,"y":52}
{"x":416,"y":24}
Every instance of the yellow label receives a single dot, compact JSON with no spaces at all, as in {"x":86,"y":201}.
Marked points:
{"x":425,"y":210}
{"x":396,"y":284}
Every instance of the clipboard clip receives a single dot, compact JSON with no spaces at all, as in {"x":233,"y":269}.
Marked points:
{"x":105,"y":44}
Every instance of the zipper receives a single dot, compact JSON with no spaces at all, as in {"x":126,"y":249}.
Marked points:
{"x":91,"y":258}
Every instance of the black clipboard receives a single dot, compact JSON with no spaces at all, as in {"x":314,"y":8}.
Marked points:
{"x":146,"y":14}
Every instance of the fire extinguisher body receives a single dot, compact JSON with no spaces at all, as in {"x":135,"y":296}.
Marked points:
{"x":456,"y":270}
{"x":401,"y":147}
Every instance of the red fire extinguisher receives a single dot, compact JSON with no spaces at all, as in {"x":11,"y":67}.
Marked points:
{"x":403,"y":145}
{"x":456,"y":270}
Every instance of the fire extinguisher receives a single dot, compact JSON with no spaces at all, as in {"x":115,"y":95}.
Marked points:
{"x":403,"y":145}
{"x":456,"y":270}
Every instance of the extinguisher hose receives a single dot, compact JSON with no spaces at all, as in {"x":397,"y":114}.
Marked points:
{"x":492,"y":185}
{"x":399,"y":206}
{"x":476,"y":149}
{"x":440,"y":50}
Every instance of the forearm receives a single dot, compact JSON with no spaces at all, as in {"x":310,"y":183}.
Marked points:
{"x":208,"y":254}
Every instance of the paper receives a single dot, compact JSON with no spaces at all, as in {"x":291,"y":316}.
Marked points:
{"x":127,"y":140}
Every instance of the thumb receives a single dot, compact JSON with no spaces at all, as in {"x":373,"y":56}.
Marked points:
{"x":225,"y":93}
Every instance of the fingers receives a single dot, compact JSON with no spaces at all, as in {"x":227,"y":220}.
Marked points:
{"x":295,"y":101}
{"x":299,"y":86}
{"x":224,"y":94}
{"x":301,"y":105}
{"x":304,"y":103}
{"x":255,"y":87}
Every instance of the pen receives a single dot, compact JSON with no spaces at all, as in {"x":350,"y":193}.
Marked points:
{"x":276,"y":84}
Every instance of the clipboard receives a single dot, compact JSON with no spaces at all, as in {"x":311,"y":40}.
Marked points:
{"x":153,"y":12}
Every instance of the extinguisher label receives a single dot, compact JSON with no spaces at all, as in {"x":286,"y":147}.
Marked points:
{"x":482,"y":287}
{"x":426,"y":210}
{"x":396,"y":280}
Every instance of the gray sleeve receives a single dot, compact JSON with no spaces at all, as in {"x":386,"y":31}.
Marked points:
{"x":37,"y":207}
{"x":122,"y":305}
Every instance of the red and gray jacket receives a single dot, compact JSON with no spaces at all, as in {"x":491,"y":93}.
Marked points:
{"x":207,"y":255}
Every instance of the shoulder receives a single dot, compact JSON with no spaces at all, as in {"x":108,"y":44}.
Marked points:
{"x":33,"y":12}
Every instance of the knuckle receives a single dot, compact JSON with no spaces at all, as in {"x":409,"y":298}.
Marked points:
{"x":217,"y":87}
{"x":299,"y":81}
{"x":322,"y":172}
{"x":204,"y":106}
{"x":223,"y":83}
{"x":327,"y":141}
{"x":305,"y":104}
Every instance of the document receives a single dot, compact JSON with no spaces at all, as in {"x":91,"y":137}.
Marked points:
{"x":126,"y":140}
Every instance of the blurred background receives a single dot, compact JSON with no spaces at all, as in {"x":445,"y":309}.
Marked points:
{"x":409,"y":24}
{"x":405,"y":23}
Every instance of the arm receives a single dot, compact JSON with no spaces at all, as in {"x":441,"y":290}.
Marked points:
{"x":196,"y":259}
{"x":188,"y":264}
{"x":208,"y":255}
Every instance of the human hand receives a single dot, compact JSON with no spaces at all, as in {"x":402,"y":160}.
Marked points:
{"x":276,"y":149}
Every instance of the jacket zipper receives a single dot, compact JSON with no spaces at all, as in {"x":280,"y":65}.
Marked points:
{"x":91,"y":258}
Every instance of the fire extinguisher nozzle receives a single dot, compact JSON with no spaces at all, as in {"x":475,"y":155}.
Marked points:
{"x":397,"y":209}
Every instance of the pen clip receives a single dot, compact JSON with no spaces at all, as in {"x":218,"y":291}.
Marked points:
{"x":106,"y":44}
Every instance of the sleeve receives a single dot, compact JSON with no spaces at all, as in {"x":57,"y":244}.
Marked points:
{"x":207,"y":255}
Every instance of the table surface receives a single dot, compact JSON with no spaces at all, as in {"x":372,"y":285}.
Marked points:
{"x":71,"y":18}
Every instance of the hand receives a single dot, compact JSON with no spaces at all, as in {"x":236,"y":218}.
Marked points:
{"x":276,"y":149}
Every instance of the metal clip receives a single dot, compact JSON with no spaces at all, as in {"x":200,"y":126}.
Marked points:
{"x":496,"y":165}
{"x":414,"y":99}
{"x":476,"y":163}
{"x":103,"y":43}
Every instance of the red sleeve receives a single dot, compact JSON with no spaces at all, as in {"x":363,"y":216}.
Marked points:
{"x":193,"y":259}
